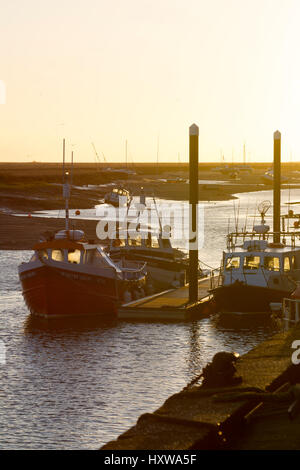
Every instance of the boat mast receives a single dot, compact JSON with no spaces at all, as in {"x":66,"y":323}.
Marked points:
{"x":66,"y":194}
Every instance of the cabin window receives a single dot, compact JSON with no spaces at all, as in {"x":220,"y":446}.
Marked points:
{"x":57,"y":255}
{"x":272,"y":263}
{"x":154,"y":242}
{"x":251,"y":262}
{"x":293,"y":262}
{"x":93,"y":257}
{"x":286,"y":264}
{"x":135,"y":241}
{"x":232,"y":263}
{"x":74,"y":256}
{"x":89,"y":256}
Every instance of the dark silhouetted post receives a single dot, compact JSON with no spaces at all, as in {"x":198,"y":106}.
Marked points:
{"x":193,"y":222}
{"x":276,"y":186}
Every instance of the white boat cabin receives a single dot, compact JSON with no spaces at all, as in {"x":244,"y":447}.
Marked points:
{"x":260,"y":263}
{"x":117,"y":197}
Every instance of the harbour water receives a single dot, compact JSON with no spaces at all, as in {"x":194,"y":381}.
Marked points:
{"x":77,"y":386}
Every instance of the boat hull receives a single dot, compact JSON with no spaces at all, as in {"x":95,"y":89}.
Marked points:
{"x":161,"y":273}
{"x":53,"y":293}
{"x":240,"y":297}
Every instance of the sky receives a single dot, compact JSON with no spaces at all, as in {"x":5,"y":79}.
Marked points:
{"x":143,"y":71}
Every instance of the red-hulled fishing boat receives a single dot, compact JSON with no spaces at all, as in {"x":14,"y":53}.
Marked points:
{"x":68,"y":276}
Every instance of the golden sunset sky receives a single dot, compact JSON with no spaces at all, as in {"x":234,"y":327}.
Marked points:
{"x":145,"y":70}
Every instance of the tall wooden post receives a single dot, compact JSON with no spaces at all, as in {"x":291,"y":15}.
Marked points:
{"x":276,"y":186}
{"x":193,"y":222}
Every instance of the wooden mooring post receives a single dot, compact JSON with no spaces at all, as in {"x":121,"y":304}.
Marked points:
{"x":193,"y":213}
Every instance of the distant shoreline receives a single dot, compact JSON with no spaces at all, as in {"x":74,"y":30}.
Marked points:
{"x":26,"y":189}
{"x":23,"y":232}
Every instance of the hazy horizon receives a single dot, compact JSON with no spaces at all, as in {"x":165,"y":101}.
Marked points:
{"x":144,"y":71}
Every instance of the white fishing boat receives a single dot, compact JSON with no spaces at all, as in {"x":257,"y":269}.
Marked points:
{"x":167,"y":267}
{"x":255,"y":270}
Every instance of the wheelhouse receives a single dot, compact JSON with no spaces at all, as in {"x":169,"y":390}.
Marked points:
{"x":85,"y":256}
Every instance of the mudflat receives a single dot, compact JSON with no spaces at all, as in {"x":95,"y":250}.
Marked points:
{"x":26,"y":188}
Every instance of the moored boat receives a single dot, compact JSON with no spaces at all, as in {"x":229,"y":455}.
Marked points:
{"x":70,"y":276}
{"x":117,"y":197}
{"x":257,"y":271}
{"x":167,"y":267}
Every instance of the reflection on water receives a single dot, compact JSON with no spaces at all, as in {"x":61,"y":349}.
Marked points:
{"x":76,"y":385}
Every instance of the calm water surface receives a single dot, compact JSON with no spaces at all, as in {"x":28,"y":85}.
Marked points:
{"x":77,"y":386}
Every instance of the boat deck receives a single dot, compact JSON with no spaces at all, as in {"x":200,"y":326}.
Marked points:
{"x":172,"y":304}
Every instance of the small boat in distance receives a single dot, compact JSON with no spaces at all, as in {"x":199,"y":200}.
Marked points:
{"x":117,"y":197}
{"x":69,"y":275}
{"x":268,"y":177}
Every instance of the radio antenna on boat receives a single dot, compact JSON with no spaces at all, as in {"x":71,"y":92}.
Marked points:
{"x":159,"y":221}
{"x":245,"y":226}
{"x":228,"y":226}
{"x":254,"y":217}
{"x":66,"y":186}
{"x":238,"y":216}
{"x":263,"y":208}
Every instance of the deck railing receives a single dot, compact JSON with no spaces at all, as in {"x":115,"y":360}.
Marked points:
{"x":235,"y":238}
